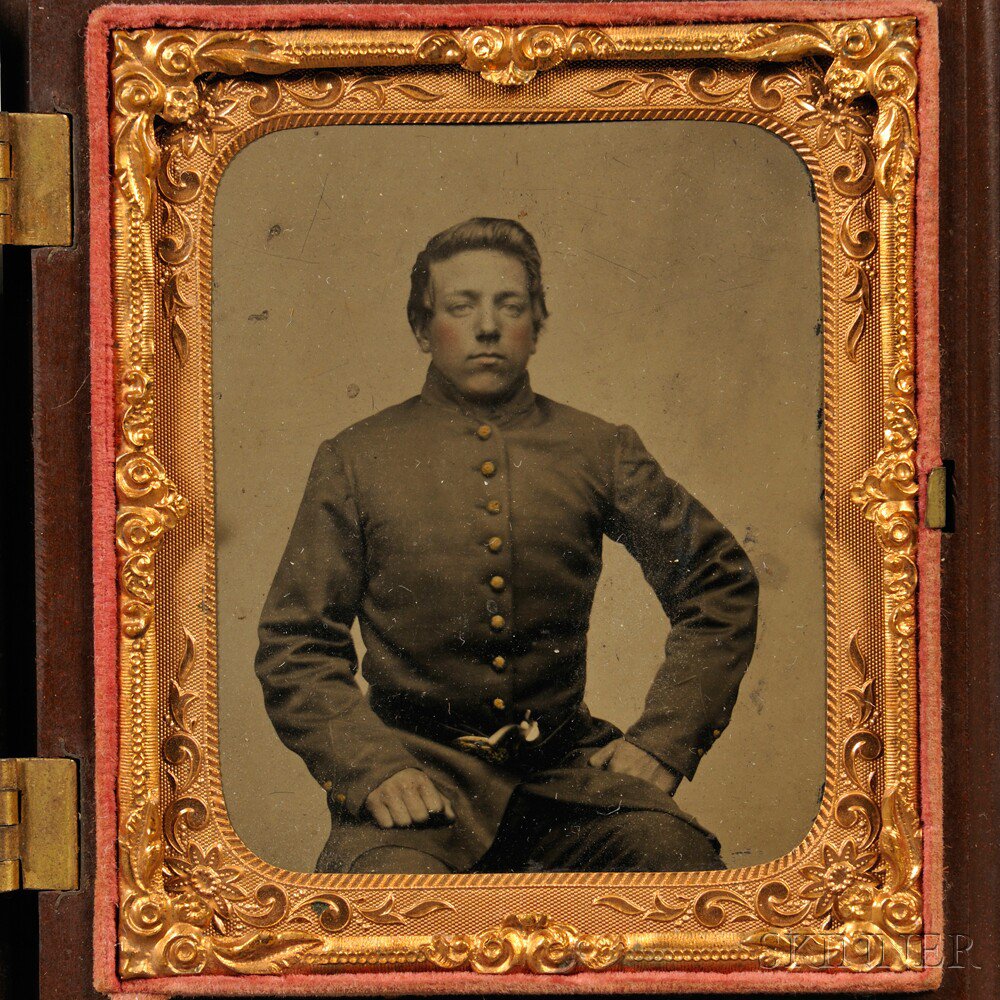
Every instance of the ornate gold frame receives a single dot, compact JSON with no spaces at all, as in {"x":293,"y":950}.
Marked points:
{"x":192,"y":898}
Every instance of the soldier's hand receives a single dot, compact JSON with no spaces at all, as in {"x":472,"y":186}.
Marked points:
{"x":408,"y":798}
{"x":623,"y":757}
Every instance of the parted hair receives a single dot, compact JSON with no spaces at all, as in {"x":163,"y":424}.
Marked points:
{"x":502,"y":235}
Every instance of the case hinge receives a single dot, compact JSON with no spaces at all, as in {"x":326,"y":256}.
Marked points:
{"x":35,"y":180}
{"x":39,"y":842}
{"x":939,"y":499}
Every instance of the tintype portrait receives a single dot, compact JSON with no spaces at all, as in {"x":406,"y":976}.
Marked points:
{"x":464,"y":529}
{"x":425,"y":614}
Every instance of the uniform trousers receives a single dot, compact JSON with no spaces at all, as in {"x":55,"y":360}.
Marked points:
{"x":542,"y":835}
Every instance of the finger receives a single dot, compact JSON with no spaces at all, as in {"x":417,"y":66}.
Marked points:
{"x":624,"y":762}
{"x":431,"y":796}
{"x":415,"y":806}
{"x":380,"y":814}
{"x":449,"y":813}
{"x":397,"y":808}
{"x":602,"y":756}
{"x":619,"y":763}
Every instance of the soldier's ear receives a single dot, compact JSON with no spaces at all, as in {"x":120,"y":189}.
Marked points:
{"x":423,"y":341}
{"x":420,"y":331}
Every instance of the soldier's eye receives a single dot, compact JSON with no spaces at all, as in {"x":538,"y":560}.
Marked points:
{"x":459,"y":309}
{"x":513,"y":309}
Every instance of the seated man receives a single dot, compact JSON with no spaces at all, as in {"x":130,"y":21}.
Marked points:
{"x":463,"y":528}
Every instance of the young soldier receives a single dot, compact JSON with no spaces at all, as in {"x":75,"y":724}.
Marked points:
{"x":463,"y":529}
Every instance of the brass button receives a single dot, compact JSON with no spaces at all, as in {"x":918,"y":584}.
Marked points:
{"x":484,"y":431}
{"x":495,"y":544}
{"x":328,"y":786}
{"x":341,"y":798}
{"x":497,"y":622}
{"x":499,"y":663}
{"x":499,"y":704}
{"x":494,"y":507}
{"x":498,"y":583}
{"x":701,"y":753}
{"x":488,"y":468}
{"x":716,"y":733}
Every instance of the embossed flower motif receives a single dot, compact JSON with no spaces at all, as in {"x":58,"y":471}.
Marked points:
{"x":844,"y":83}
{"x":192,"y":909}
{"x":202,"y":875}
{"x":180,"y":103}
{"x":857,"y":902}
{"x":840,"y":874}
{"x":205,"y":122}
{"x":833,"y":117}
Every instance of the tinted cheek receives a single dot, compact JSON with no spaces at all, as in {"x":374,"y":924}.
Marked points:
{"x":522,"y":335}
{"x":448,"y":334}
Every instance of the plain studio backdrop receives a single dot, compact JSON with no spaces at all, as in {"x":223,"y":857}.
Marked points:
{"x":682,"y":271}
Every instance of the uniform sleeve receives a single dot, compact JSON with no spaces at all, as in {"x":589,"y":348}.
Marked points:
{"x":708,"y":589}
{"x":306,"y":660}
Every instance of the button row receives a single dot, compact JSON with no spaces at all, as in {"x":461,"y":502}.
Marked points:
{"x":495,"y":544}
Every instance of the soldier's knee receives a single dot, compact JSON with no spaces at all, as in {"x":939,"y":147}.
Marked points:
{"x":662,"y":842}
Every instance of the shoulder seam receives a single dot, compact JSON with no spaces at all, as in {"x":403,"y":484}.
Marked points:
{"x":348,"y":475}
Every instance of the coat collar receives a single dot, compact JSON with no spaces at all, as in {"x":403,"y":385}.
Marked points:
{"x":438,"y":391}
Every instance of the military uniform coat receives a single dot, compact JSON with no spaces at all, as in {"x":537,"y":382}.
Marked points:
{"x":467,"y":543}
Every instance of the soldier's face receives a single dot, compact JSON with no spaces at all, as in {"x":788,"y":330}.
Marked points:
{"x":481,"y":332}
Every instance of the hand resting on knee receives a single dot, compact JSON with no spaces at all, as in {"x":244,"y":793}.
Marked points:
{"x":623,"y":757}
{"x":408,"y":798}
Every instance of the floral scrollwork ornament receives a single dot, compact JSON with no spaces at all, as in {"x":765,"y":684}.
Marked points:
{"x":876,"y":58}
{"x":867,"y":921}
{"x":154,"y":74}
{"x":529,"y":941}
{"x":150,"y":504}
{"x":169,"y":926}
{"x":513,"y":56}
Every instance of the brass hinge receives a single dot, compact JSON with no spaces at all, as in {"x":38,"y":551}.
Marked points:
{"x":39,"y":843}
{"x":35,"y":180}
{"x":939,"y":499}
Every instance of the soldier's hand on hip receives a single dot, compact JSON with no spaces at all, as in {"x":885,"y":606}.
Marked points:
{"x":408,"y":798}
{"x":623,"y":757}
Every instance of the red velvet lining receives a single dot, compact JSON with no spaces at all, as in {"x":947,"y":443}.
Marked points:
{"x":103,"y":443}
{"x":424,"y":983}
{"x":103,"y":395}
{"x":459,"y":15}
{"x":928,"y":392}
